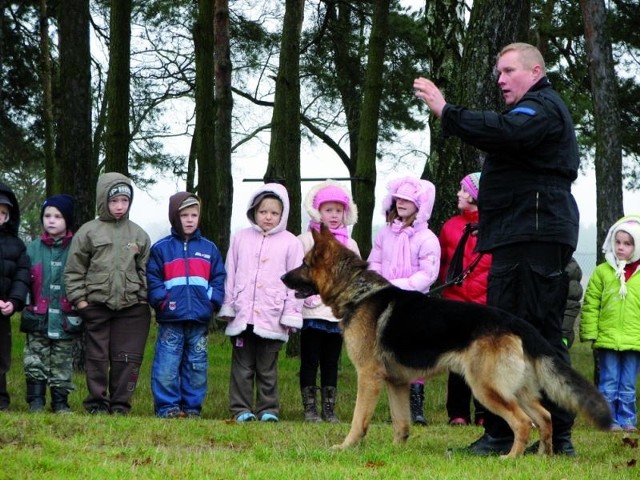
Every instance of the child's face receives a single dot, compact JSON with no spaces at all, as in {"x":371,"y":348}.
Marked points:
{"x":405,"y":208}
{"x":118,"y":206}
{"x":189,"y":218}
{"x":4,"y":213}
{"x":465,"y":201}
{"x":624,"y":245}
{"x":268,"y":213}
{"x":53,"y":222}
{"x":331,"y":214}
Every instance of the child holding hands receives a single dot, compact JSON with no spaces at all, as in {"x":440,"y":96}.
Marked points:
{"x":259,"y":309}
{"x":330,"y":204}
{"x":185,"y":277}
{"x":611,"y":320}
{"x":406,"y":252}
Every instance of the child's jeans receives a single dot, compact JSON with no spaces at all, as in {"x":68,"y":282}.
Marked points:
{"x":179,"y":371}
{"x":618,"y":376}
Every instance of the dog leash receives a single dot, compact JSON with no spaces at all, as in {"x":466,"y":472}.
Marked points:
{"x":455,"y":273}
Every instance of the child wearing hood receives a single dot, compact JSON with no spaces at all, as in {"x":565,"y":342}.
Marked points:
{"x":407,"y":253}
{"x":259,"y":308}
{"x":185,"y":277}
{"x":49,"y":320}
{"x":330,"y":204}
{"x":611,"y":320}
{"x":106,"y":280}
{"x":14,"y":280}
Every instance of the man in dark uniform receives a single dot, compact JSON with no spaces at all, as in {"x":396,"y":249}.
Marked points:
{"x":528,"y":217}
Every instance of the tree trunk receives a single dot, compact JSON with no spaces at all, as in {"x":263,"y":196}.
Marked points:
{"x":205,"y":116}
{"x":364,"y":185}
{"x":53,"y":183}
{"x":224,"y":108}
{"x":606,"y":115}
{"x":284,"y":151}
{"x":118,"y":136}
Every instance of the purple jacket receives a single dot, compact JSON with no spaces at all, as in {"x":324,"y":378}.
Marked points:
{"x":254,"y":293}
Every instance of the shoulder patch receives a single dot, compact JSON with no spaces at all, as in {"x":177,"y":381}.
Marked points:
{"x":526,"y":110}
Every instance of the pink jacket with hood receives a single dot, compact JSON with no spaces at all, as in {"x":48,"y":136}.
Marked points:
{"x":409,"y":257}
{"x":254,"y":293}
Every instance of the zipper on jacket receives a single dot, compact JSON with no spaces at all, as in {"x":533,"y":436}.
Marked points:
{"x":187,"y":274}
{"x":537,"y":213}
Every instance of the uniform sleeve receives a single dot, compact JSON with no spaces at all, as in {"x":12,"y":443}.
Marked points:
{"x":521,"y":128}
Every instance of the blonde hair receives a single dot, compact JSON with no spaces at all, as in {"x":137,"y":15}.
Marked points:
{"x":530,"y":56}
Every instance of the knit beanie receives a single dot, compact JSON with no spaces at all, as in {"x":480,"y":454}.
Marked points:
{"x":64,"y":203}
{"x":421,"y":192}
{"x":471,"y":184}
{"x":119,"y":189}
{"x":4,"y":200}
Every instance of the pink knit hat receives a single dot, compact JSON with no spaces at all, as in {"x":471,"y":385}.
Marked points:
{"x":330,"y":191}
{"x":471,"y":184}
{"x":421,"y":192}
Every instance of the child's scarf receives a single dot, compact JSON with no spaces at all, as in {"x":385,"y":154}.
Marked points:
{"x":341,"y":233}
{"x":401,"y":255}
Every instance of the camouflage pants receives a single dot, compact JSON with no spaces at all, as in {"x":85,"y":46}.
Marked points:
{"x":49,"y":360}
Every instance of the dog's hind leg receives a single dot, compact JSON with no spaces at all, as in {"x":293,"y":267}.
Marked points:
{"x":370,"y":379}
{"x":399,"y":406}
{"x":542,"y":418}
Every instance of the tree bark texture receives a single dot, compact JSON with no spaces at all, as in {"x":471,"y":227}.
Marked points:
{"x":53,"y":183}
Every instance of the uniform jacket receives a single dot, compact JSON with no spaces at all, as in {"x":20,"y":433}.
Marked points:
{"x":254,"y":293}
{"x":423,"y":243}
{"x":14,"y":262}
{"x":525,"y":186}
{"x":609,"y":319}
{"x":49,"y":311}
{"x":474,"y":286}
{"x":185,"y":277}
{"x":108,"y":257}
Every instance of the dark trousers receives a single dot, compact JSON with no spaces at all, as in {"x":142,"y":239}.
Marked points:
{"x":528,"y":279}
{"x":5,"y":359}
{"x":319,"y":349}
{"x":254,"y":360}
{"x":115,"y":341}
{"x":459,"y":399}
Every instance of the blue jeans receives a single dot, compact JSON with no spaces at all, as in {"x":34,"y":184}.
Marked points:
{"x":179,"y":371}
{"x":618,"y":377}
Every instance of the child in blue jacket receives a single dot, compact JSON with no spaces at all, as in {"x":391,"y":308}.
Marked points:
{"x":185,"y":277}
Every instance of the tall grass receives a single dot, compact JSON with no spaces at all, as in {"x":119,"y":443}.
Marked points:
{"x":44,"y":445}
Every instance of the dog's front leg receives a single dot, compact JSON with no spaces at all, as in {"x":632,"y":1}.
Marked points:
{"x":399,"y":406}
{"x":370,"y":380}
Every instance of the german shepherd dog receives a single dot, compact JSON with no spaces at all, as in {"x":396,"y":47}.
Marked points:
{"x":393,"y":336}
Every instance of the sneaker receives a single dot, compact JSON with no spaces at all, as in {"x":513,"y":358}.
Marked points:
{"x":269,"y":417}
{"x":246,"y":417}
{"x":98,"y":411}
{"x":458,"y":421}
{"x":629,"y":428}
{"x":174,"y":414}
{"x":615,"y":428}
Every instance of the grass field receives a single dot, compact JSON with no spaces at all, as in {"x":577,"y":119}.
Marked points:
{"x":48,"y":446}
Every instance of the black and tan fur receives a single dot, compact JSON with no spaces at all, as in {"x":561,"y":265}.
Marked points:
{"x":393,"y":336}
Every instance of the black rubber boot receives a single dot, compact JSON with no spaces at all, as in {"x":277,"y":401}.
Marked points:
{"x":329,"y":404}
{"x":36,"y":392}
{"x":416,"y":401}
{"x":59,"y":400}
{"x":310,"y":405}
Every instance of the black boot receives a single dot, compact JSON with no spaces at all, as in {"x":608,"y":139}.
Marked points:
{"x":309,"y":404}
{"x":36,"y":391}
{"x":4,"y":394}
{"x":416,"y":401}
{"x":59,"y":400}
{"x":329,"y":404}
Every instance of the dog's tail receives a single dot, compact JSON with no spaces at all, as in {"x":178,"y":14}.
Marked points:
{"x":570,"y":390}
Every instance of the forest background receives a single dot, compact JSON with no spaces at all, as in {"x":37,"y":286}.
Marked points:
{"x":200,"y":95}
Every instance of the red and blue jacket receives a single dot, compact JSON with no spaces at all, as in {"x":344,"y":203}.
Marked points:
{"x":185,"y":278}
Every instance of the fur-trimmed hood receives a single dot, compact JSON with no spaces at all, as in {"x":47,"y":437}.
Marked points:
{"x":421,"y":192}
{"x":330,"y":191}
{"x":273,"y":189}
{"x":629,"y":224}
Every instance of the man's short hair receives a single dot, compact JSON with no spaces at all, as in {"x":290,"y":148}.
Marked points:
{"x":530,"y":56}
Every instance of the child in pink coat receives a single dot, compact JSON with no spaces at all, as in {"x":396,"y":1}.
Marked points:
{"x":259,"y":308}
{"x":407,"y":253}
